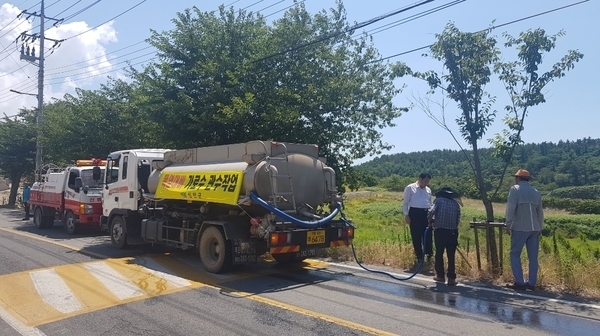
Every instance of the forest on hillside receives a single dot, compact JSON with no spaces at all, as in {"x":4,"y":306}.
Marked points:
{"x":554,"y":166}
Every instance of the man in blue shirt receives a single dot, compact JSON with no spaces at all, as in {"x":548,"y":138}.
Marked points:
{"x":444,"y":217}
{"x":25,"y":199}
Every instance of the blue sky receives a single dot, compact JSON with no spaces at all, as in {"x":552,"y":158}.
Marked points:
{"x":569,"y":113}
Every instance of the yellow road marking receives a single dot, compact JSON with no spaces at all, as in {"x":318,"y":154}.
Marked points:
{"x":90,"y":291}
{"x":19,"y":297}
{"x":23,"y":302}
{"x":313,"y":314}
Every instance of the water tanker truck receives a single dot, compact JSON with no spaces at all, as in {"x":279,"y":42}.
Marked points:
{"x":232,"y":203}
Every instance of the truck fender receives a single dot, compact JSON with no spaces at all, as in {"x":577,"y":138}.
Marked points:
{"x":119,"y":212}
{"x":231,"y":230}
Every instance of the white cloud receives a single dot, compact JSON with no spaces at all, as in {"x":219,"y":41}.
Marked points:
{"x":78,"y":62}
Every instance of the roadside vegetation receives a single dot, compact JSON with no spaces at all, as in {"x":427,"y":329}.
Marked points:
{"x":569,"y":260}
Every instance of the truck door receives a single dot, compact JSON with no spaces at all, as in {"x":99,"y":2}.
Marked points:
{"x":117,"y":193}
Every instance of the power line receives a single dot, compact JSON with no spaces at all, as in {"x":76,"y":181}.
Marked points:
{"x":71,"y":15}
{"x":80,"y":78}
{"x":262,"y":9}
{"x":281,"y":10}
{"x":52,"y":4}
{"x":82,"y":10}
{"x":482,"y":30}
{"x":66,"y":9}
{"x":352,"y":28}
{"x":87,"y":71}
{"x":259,"y":1}
{"x":413,"y":17}
{"x":105,"y":22}
{"x":93,"y":58}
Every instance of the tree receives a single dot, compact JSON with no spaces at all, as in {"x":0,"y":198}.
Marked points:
{"x":93,"y":123}
{"x":469,"y":60}
{"x":17,"y":148}
{"x":230,"y":77}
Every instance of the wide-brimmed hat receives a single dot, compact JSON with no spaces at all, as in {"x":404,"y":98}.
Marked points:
{"x":522,"y":173}
{"x":447,"y":191}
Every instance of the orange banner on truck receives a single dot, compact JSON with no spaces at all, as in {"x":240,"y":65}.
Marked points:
{"x":217,"y":187}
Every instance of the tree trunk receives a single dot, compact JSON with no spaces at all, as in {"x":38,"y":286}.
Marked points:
{"x":489,"y":211}
{"x":15,"y":180}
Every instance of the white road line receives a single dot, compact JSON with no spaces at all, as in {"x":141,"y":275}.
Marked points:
{"x":162,"y":272}
{"x":113,"y":280}
{"x":18,"y":326}
{"x":493,"y":290}
{"x":54,"y":291}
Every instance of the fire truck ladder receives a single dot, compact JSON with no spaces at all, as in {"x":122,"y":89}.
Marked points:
{"x":276,"y":177}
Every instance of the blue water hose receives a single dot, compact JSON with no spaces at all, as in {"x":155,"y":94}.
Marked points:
{"x":301,"y":223}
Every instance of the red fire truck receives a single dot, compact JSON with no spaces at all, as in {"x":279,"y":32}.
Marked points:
{"x":72,"y":194}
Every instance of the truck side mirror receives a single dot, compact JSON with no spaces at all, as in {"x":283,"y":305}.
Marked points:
{"x":96,"y":172}
{"x":78,"y":183}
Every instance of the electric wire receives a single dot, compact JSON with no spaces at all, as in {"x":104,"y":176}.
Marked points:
{"x":482,"y":30}
{"x":347,"y":30}
{"x":427,"y":46}
{"x":105,"y":22}
{"x":262,"y":9}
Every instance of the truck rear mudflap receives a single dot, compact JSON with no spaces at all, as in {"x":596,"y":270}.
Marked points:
{"x":307,"y":242}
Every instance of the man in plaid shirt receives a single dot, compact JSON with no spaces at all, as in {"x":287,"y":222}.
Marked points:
{"x":444,"y":217}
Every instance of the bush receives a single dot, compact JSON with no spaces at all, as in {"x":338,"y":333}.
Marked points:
{"x":574,"y":206}
{"x":573,"y":226}
{"x":590,"y":192}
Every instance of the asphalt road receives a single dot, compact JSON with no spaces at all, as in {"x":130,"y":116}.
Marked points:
{"x":55,"y":284}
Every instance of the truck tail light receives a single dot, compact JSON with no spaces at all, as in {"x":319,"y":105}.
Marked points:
{"x":280,"y":238}
{"x":346,"y":232}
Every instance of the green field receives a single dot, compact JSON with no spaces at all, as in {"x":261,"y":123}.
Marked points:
{"x":570,"y":249}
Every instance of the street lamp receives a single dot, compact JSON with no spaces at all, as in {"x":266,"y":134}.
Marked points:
{"x":38,"y":146}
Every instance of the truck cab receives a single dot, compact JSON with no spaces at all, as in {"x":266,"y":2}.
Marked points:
{"x":125,"y":182}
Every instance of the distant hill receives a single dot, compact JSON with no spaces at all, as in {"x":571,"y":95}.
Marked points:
{"x":553,"y":165}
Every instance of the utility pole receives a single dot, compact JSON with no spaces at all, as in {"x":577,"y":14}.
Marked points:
{"x":28,"y":54}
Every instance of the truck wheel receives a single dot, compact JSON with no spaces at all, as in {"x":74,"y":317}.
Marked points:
{"x":69,"y":222}
{"x":38,"y":218}
{"x":118,"y":235}
{"x":48,"y":219}
{"x":215,"y":251}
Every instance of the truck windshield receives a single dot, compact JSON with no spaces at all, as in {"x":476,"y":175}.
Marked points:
{"x":88,"y":180}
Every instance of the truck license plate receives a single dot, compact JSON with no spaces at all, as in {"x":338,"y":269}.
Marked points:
{"x":315,"y":237}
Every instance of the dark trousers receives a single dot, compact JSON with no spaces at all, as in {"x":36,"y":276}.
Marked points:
{"x":418,"y":224}
{"x":26,"y":204}
{"x":445,"y":239}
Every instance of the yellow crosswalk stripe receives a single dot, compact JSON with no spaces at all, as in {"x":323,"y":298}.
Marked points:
{"x":46,"y":295}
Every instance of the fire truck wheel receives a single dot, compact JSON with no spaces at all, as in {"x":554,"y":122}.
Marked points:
{"x":69,"y":222}
{"x":48,"y":220}
{"x":38,"y":218}
{"x":118,"y":236}
{"x":215,"y":251}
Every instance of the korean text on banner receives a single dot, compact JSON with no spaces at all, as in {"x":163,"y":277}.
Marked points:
{"x":218,"y":187}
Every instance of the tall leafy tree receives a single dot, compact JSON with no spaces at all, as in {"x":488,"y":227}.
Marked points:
{"x":17,"y":148}
{"x":230,"y":77}
{"x":470,"y":60}
{"x":92,"y":123}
